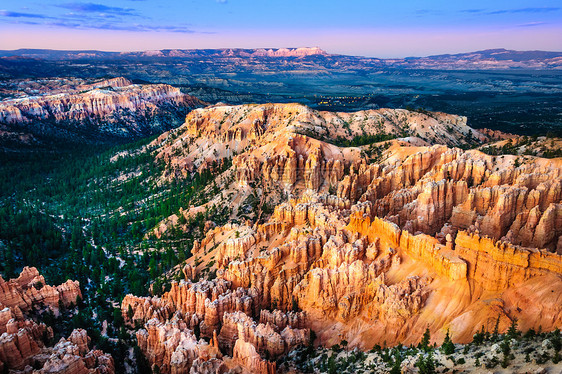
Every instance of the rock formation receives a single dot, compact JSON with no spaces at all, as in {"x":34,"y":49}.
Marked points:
{"x":283,"y":142}
{"x":173,"y":325}
{"x":357,"y":250}
{"x":29,"y":290}
{"x":114,"y":108}
{"x":23,"y":341}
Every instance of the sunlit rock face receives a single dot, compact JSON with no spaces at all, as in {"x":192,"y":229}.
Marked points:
{"x":29,"y":289}
{"x":369,"y":245}
{"x":106,"y":110}
{"x":23,"y":341}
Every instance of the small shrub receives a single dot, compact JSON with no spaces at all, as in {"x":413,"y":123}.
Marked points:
{"x":426,"y":365}
{"x":492,"y":363}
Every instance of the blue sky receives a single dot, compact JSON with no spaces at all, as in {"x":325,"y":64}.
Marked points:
{"x":375,"y":28}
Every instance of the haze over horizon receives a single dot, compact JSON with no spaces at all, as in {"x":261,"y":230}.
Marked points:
{"x":358,"y":27}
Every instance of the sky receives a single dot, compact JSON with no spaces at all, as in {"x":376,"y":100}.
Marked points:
{"x":388,"y":28}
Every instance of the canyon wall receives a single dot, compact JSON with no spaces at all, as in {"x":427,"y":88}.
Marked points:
{"x":114,"y":108}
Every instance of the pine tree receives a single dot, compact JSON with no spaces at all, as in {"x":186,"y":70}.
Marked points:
{"x":396,"y":369}
{"x":153,"y":268}
{"x":496,"y":332}
{"x":512,"y":332}
{"x":332,"y":364}
{"x":506,"y":350}
{"x":448,"y":347}
{"x":424,"y":343}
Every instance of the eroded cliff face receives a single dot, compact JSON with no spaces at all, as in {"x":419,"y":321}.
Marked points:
{"x":29,"y":290}
{"x":175,"y":325}
{"x":23,"y":342}
{"x":284,"y":142}
{"x":370,"y":252}
{"x":110,"y":109}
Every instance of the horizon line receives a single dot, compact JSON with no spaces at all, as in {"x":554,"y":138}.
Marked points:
{"x":274,"y":48}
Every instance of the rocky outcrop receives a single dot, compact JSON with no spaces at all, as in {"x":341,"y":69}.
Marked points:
{"x":498,"y":265}
{"x":282,"y":143}
{"x":295,"y":320}
{"x":172,"y":324}
{"x":23,"y":343}
{"x":368,"y":252}
{"x":523,"y":216}
{"x":29,"y":290}
{"x":246,"y":354}
{"x":171,"y":346}
{"x":20,"y":343}
{"x":73,"y":356}
{"x":114,"y":108}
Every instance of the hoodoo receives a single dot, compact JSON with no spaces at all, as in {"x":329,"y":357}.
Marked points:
{"x":370,"y":244}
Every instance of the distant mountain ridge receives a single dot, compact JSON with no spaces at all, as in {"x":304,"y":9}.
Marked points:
{"x":485,"y":59}
{"x":491,"y":58}
{"x":50,"y":54}
{"x":502,"y":54}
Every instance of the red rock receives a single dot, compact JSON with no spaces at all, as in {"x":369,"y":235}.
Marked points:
{"x":23,"y":341}
{"x":370,"y":252}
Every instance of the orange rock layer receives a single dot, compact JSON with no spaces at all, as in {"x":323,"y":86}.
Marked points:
{"x":373,"y":253}
{"x":22,"y":343}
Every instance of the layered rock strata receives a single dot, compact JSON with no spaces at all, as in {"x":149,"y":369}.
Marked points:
{"x":114,"y":108}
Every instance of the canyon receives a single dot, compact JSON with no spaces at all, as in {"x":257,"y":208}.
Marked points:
{"x":368,"y":227}
{"x":514,"y":91}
